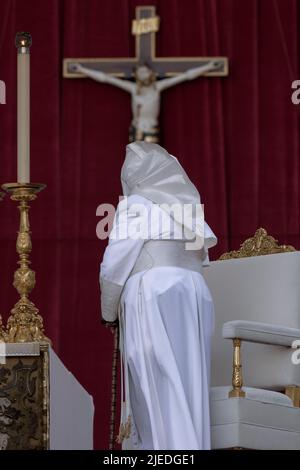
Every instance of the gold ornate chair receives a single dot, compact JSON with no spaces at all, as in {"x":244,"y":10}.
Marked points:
{"x":257,"y":303}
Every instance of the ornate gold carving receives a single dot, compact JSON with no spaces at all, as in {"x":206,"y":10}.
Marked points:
{"x":293,"y":391}
{"x":237,"y":377}
{"x":260,"y":244}
{"x":145,"y":25}
{"x":24,"y":324}
{"x":2,"y":332}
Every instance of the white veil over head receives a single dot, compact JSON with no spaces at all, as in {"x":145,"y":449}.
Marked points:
{"x":150,"y":171}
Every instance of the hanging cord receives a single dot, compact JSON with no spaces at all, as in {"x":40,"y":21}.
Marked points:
{"x":114,"y":380}
{"x":284,"y":42}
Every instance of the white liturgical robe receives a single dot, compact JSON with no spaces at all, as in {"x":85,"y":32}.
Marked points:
{"x":166,"y":323}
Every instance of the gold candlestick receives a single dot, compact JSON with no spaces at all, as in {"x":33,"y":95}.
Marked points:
{"x":24,"y":324}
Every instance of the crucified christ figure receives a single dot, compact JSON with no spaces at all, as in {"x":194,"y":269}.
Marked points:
{"x":145,"y":93}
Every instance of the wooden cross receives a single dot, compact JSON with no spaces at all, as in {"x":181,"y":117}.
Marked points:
{"x":144,"y":27}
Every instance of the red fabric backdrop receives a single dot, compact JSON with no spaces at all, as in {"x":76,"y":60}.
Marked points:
{"x":238,"y":138}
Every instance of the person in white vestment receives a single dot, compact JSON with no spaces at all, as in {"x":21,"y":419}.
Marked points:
{"x":151,"y":281}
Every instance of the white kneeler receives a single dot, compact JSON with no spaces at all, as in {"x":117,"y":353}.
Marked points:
{"x":257,"y":305}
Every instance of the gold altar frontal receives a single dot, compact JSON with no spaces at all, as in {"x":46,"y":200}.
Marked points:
{"x":24,"y":396}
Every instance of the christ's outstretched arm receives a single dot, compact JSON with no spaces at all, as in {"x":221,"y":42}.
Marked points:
{"x":188,"y":75}
{"x":102,"y":77}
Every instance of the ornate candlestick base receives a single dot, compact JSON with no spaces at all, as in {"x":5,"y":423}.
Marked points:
{"x":24,"y":324}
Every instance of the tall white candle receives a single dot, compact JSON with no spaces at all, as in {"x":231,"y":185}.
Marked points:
{"x":23,"y":43}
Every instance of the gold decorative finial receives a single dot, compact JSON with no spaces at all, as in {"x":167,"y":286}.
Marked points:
{"x":260,"y":244}
{"x":23,"y":41}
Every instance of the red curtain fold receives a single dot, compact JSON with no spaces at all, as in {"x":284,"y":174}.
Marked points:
{"x":237,"y":137}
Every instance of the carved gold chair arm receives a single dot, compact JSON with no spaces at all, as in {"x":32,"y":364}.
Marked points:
{"x":261,"y":333}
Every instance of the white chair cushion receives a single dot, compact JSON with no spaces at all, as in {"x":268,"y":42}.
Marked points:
{"x":258,"y":332}
{"x":257,"y":394}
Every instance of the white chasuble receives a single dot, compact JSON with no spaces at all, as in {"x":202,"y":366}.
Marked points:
{"x":166,"y":323}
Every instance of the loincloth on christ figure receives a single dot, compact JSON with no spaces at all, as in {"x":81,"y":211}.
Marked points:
{"x":151,"y":136}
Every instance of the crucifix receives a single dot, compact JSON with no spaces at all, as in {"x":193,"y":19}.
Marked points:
{"x":145,"y":76}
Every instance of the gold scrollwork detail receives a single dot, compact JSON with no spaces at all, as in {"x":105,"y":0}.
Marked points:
{"x":260,"y":244}
{"x":237,"y":376}
{"x":24,"y":243}
{"x":24,"y":280}
{"x":2,"y":332}
{"x":25,"y":324}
